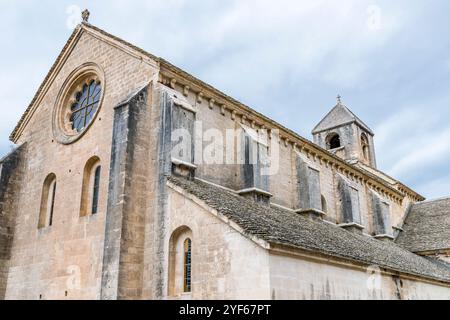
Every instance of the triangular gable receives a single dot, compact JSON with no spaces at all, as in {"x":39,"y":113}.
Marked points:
{"x":59,"y":62}
{"x":45,"y":84}
{"x":339,"y":115}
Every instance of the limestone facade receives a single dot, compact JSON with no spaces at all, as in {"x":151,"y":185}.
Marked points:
{"x":131,"y":248}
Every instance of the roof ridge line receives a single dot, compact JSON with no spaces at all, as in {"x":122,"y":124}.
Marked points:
{"x":433,"y":200}
{"x":353,"y":117}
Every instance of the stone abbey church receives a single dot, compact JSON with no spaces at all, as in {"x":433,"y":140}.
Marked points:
{"x":95,"y":203}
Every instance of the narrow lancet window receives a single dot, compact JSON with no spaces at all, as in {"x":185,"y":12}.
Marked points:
{"x":96,"y":188}
{"x":47,"y":202}
{"x":187,"y":265}
{"x":90,"y":190}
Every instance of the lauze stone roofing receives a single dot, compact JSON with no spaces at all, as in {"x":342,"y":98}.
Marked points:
{"x":338,"y":115}
{"x":427,"y":227}
{"x":283,"y":227}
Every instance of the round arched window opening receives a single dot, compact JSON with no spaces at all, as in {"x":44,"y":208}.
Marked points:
{"x":78,"y":103}
{"x":333,"y":141}
{"x":365,"y":146}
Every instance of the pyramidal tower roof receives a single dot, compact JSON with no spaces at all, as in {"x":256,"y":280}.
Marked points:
{"x":338,"y":116}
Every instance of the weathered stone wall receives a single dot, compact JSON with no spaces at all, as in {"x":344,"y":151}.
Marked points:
{"x":156,"y":212}
{"x":123,"y":257}
{"x":284,"y":184}
{"x":73,"y":259}
{"x":285,"y":180}
{"x":231,"y":175}
{"x":347,"y":136}
{"x":303,"y":278}
{"x":11,"y":168}
{"x":372,"y":161}
{"x":225,"y":264}
{"x":228,"y":265}
{"x":64,"y":261}
{"x":351,"y":147}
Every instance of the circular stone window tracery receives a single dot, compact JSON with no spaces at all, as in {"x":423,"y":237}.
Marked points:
{"x":85,"y":105}
{"x":78,"y":103}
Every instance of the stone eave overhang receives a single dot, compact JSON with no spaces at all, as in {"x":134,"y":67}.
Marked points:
{"x":433,"y":252}
{"x":355,"y":121}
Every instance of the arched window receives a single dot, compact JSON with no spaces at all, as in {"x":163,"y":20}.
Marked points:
{"x":180,"y":262}
{"x":365,"y":146}
{"x":90,"y":191}
{"x":47,"y":201}
{"x":95,"y":191}
{"x":187,"y":264}
{"x":324,"y":204}
{"x":333,"y":141}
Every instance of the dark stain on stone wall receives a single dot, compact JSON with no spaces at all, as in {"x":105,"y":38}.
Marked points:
{"x":164,"y":171}
{"x":10,"y":181}
{"x":346,"y":201}
{"x":398,"y":287}
{"x":380,"y":214}
{"x":308,"y":186}
{"x":124,"y":227}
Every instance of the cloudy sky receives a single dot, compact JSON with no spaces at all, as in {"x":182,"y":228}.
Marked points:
{"x":287,"y":59}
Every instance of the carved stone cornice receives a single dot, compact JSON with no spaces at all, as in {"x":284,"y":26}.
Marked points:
{"x":288,"y":137}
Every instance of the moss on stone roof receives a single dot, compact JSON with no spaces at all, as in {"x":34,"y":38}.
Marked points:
{"x":427,"y":227}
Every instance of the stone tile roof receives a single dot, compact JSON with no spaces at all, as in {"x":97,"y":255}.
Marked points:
{"x":339,"y":115}
{"x":283,"y":227}
{"x":427,"y":227}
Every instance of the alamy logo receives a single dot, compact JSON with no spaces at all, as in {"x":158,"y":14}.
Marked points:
{"x":228,"y":147}
{"x":74,"y":16}
{"x":374,"y":18}
{"x":73,"y":281}
{"x":373,"y":278}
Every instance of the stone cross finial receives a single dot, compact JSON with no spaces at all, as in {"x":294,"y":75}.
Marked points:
{"x":339,"y":101}
{"x":85,"y":15}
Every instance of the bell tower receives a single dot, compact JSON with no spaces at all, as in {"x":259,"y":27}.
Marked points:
{"x":344,"y":134}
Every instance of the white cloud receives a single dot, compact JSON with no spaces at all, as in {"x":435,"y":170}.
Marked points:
{"x":414,"y":146}
{"x":436,"y":188}
{"x":424,"y":154}
{"x":328,"y":40}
